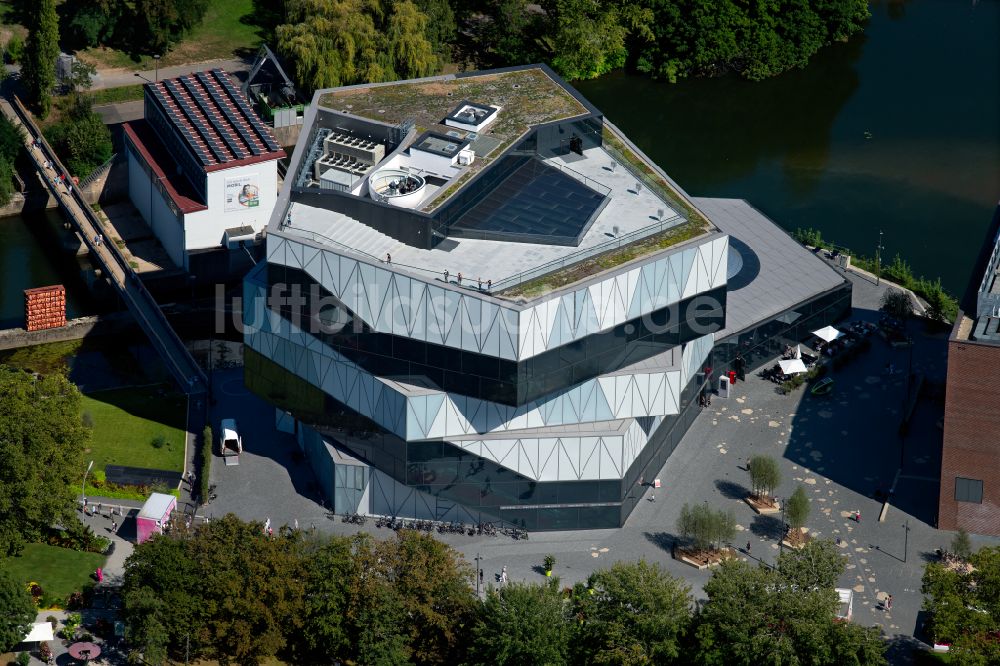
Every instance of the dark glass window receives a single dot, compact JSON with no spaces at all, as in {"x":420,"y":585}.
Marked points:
{"x":968,"y":490}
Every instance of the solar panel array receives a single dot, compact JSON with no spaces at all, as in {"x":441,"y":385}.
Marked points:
{"x":248,"y":113}
{"x":213,"y":118}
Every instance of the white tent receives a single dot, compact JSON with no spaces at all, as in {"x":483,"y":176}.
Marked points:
{"x":798,"y":351}
{"x":827,"y":334}
{"x":40,"y":631}
{"x":792,"y":366}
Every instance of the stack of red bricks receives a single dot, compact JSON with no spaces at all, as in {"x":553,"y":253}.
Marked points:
{"x":45,"y":307}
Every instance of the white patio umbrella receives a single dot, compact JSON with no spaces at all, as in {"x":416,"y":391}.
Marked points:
{"x":827,"y":334}
{"x":792,"y":366}
{"x":798,"y":351}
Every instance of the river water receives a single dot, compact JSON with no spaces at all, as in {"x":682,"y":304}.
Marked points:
{"x":923,"y":81}
{"x":32,"y":254}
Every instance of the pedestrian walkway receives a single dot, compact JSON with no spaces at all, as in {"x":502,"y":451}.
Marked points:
{"x":140,"y":302}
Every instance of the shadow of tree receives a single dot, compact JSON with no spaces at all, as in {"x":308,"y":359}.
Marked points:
{"x":767,"y":527}
{"x":903,"y":649}
{"x":664,"y":540}
{"x":731,"y":489}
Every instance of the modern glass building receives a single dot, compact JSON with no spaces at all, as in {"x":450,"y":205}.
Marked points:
{"x":481,"y":302}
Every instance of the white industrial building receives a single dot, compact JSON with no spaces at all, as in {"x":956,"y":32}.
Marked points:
{"x":203,"y":168}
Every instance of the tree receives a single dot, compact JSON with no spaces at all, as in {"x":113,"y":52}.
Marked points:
{"x":818,"y":564}
{"x":92,"y":22}
{"x":797,"y":508}
{"x":754,"y":615}
{"x":521,"y":624}
{"x":705,"y":527}
{"x":226,"y":590}
{"x":764,"y":476}
{"x":961,"y":545}
{"x":632,"y":613}
{"x":588,"y":38}
{"x":17,"y":611}
{"x":40,"y":52}
{"x":330,"y":566}
{"x":432,"y":582}
{"x":964,"y":606}
{"x":342,"y":42}
{"x":41,"y":445}
{"x":441,"y":27}
{"x":896,"y":303}
{"x":81,"y":76}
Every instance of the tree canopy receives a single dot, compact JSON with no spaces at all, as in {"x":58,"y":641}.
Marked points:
{"x":42,"y":439}
{"x":17,"y":611}
{"x":632,"y":613}
{"x":964,"y":605}
{"x":765,"y":475}
{"x":38,"y":71}
{"x":521,"y":625}
{"x":755,"y":615}
{"x":340,"y":42}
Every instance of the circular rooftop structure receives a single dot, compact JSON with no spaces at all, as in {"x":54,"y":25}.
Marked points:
{"x":396,"y":188}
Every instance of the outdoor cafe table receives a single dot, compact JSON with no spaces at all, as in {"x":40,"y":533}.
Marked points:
{"x":84,"y":651}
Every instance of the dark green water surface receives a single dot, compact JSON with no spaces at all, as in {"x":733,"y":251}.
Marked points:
{"x":924,"y":81}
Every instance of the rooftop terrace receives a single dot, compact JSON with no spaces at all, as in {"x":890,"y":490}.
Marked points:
{"x":526,"y":97}
{"x":636,"y":221}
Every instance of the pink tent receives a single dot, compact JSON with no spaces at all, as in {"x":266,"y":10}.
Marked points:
{"x":154,"y":515}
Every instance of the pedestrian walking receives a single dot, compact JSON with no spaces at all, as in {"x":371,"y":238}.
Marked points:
{"x":748,"y":547}
{"x":888,"y":602}
{"x":114,"y":527}
{"x":296,"y":523}
{"x":480,"y":576}
{"x":503,"y":575}
{"x":857,"y":516}
{"x":270,"y":532}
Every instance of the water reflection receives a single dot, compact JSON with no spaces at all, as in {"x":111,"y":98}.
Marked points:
{"x":896,"y":130}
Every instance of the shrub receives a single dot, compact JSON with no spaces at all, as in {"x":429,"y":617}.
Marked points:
{"x":44,"y":651}
{"x":159,"y":441}
{"x":23,"y":659}
{"x":797,"y":509}
{"x":206,"y":463}
{"x":764,"y":476}
{"x":896,"y":303}
{"x":550,"y":562}
{"x":704,"y":527}
{"x":15,"y":49}
{"x":961,"y":545}
{"x":809,"y":237}
{"x":53,"y":620}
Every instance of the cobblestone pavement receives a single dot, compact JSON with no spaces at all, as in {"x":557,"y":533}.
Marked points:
{"x":842,"y":450}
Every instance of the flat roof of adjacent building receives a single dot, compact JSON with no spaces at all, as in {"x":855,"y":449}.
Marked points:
{"x":770,"y":271}
{"x":163,"y":166}
{"x":210,"y":114}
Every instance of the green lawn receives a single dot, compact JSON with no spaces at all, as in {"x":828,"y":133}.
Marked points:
{"x":126,"y":421}
{"x":59,"y":571}
{"x":221,"y":35}
{"x":116,"y":95}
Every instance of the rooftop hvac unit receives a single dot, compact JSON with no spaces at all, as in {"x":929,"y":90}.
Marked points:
{"x":466,"y":157}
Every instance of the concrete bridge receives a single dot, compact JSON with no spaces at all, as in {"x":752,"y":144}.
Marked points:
{"x":140,"y":302}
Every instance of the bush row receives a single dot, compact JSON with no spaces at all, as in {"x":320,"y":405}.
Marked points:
{"x":940,"y":304}
{"x":206,"y":463}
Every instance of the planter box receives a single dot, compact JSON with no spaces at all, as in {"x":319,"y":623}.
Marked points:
{"x":762,"y":507}
{"x":702,"y":563}
{"x":804,"y":539}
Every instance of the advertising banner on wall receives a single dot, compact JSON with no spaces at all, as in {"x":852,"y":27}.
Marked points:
{"x":242,"y":192}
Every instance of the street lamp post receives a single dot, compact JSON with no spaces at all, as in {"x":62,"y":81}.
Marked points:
{"x":478,"y":569}
{"x":878,"y":259}
{"x":83,"y":488}
{"x":156,"y":68}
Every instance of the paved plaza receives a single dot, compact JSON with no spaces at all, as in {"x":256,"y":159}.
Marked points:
{"x":843,"y":449}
